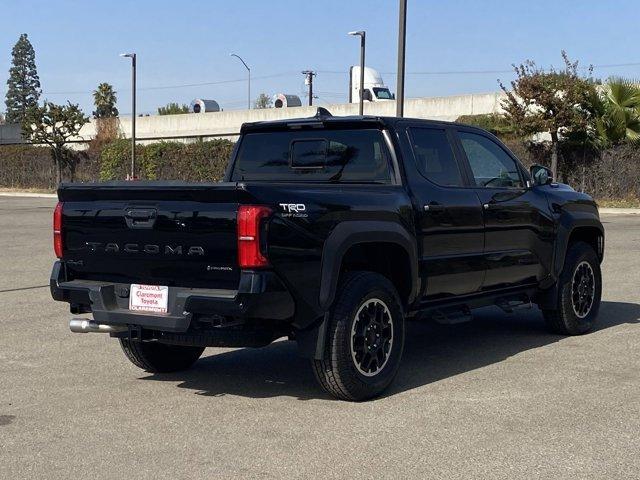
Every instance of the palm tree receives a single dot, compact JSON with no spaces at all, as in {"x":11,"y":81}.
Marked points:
{"x":619,"y":118}
{"x":104,"y":98}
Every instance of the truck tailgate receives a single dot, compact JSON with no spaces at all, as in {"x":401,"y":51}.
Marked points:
{"x":161,"y":233}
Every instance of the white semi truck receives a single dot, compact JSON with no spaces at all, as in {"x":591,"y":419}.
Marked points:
{"x":374,"y":88}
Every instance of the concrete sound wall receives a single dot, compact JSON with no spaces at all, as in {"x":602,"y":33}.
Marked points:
{"x":226,"y":124}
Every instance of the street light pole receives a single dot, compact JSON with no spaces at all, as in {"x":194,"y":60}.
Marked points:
{"x":362,"y":34}
{"x":132,"y":56}
{"x":249,"y":79}
{"x":402,"y":39}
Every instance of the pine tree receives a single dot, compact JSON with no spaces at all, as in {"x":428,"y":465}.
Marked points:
{"x":23,"y":86}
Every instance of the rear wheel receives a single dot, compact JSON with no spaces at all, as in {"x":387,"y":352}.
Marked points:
{"x":159,"y":357}
{"x":579,"y":292}
{"x":365,"y":338}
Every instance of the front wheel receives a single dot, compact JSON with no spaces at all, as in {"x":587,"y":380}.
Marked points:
{"x":159,"y":357}
{"x":365,"y":338}
{"x":579,"y":292}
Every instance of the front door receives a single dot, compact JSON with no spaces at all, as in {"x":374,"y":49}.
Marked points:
{"x":449,"y":219}
{"x":519,"y":228}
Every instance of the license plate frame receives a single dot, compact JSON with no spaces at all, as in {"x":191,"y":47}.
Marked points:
{"x":149,"y":298}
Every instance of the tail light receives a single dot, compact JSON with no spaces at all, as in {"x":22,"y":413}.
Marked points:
{"x":57,"y":230}
{"x":249,"y":222}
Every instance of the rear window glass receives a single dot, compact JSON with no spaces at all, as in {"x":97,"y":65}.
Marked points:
{"x":346,"y":156}
{"x":309,"y":153}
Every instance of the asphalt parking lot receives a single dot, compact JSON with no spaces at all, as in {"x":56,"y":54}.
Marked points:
{"x":495,"y":398}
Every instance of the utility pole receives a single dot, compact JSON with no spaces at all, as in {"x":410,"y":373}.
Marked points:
{"x":133,"y":57}
{"x":402,"y":39}
{"x":309,"y":74}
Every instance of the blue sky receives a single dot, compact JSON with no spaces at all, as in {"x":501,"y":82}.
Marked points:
{"x":77,"y":44}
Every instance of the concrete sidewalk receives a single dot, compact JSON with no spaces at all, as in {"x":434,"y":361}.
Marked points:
{"x":619,"y":211}
{"x":28,"y":194}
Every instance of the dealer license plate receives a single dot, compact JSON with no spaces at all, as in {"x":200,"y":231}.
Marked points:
{"x":148,"y":298}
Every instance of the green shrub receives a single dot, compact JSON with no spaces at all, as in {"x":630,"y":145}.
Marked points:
{"x":199,"y":161}
{"x":114,"y":159}
{"x":25,"y":166}
{"x":611,"y":174}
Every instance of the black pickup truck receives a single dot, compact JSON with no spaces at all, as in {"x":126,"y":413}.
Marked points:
{"x":331,"y":231}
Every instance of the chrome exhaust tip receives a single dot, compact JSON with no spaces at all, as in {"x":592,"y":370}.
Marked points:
{"x":83,"y":325}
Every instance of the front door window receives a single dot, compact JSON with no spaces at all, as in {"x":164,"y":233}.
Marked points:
{"x":491,"y":166}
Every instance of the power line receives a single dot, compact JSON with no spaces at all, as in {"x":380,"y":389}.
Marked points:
{"x":331,"y":94}
{"x":330,"y":72}
{"x":184,"y":85}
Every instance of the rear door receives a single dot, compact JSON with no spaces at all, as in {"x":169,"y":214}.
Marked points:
{"x":519,"y":228}
{"x":449,"y":215}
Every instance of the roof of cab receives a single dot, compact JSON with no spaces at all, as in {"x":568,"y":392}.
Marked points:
{"x":324,"y":119}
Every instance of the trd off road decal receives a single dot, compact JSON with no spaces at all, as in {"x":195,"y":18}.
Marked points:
{"x":293,"y":209}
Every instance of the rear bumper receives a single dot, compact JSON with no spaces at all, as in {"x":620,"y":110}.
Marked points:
{"x":260,"y":295}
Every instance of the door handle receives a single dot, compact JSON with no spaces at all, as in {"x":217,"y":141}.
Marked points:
{"x":433,"y":207}
{"x":141,"y":214}
{"x":140,"y":217}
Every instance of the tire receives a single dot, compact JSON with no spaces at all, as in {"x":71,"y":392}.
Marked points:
{"x":159,"y":357}
{"x":576,"y":310}
{"x":359,"y":363}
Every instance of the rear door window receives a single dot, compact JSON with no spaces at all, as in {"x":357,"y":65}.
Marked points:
{"x":341,"y":156}
{"x":435,"y":157}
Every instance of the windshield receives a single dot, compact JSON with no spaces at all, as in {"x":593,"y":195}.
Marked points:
{"x":382,"y":93}
{"x":347,"y":156}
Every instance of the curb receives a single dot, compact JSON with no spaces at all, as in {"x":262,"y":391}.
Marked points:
{"x":619,"y":211}
{"x":28,"y":194}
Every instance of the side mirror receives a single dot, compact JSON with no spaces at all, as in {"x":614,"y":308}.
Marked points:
{"x":366,"y":95}
{"x":541,"y":175}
